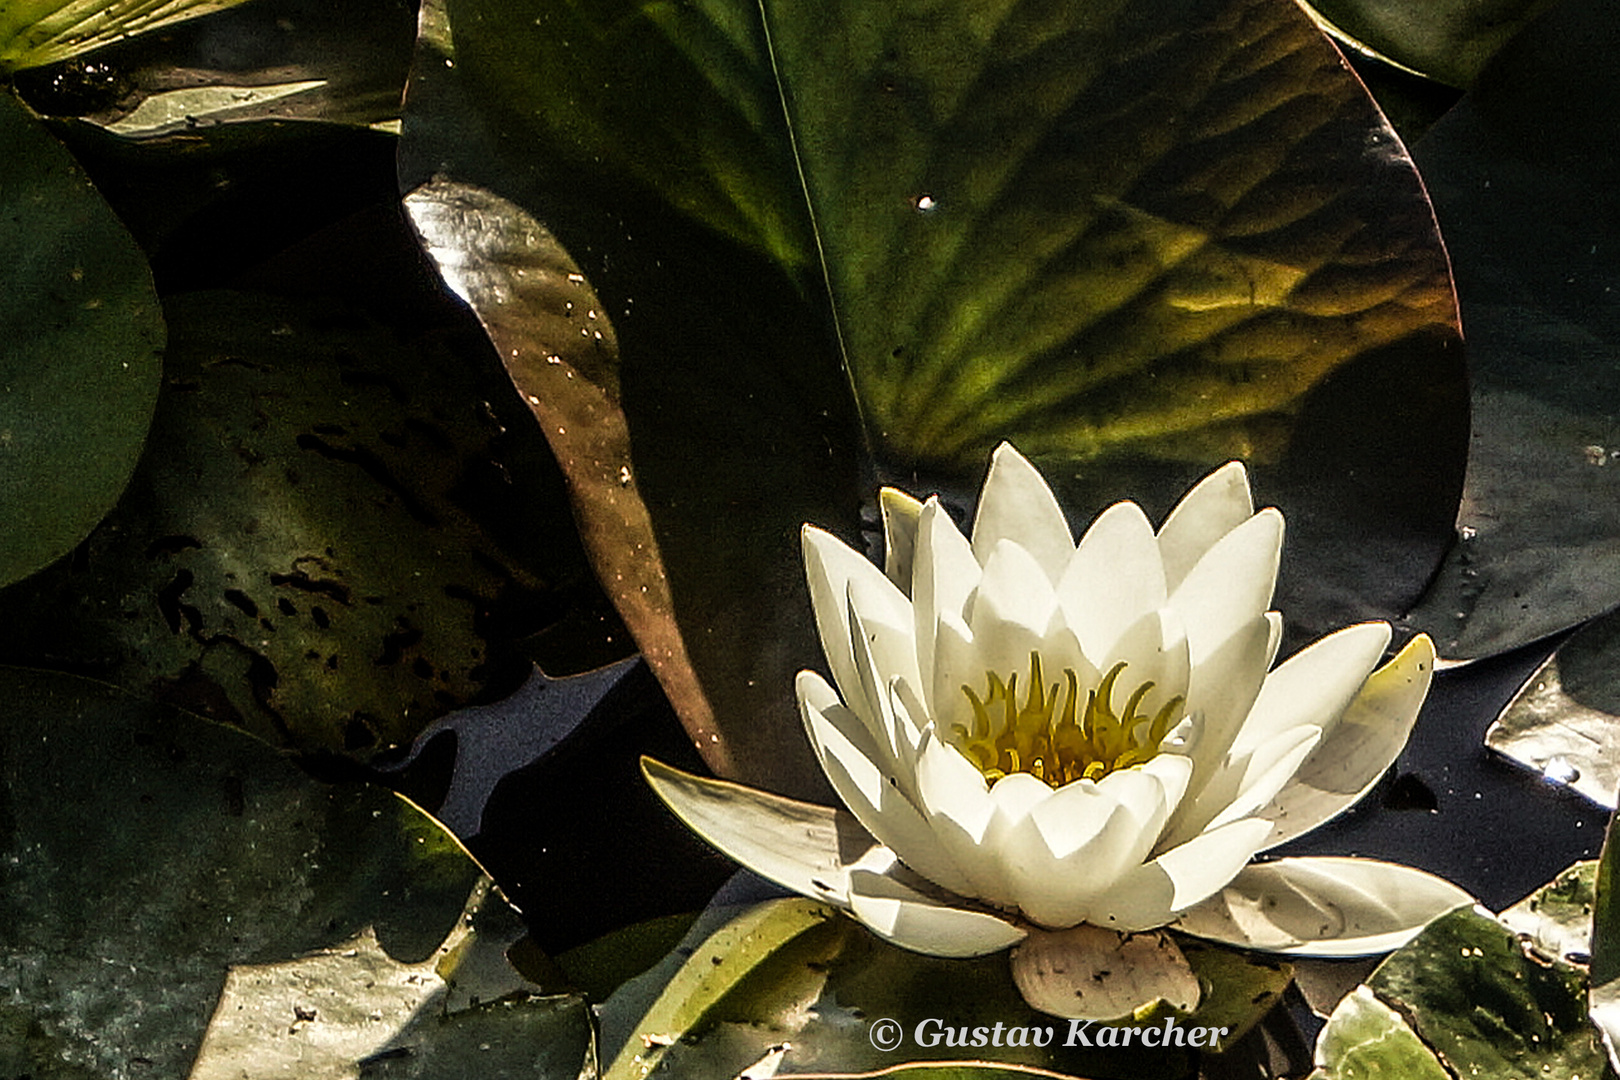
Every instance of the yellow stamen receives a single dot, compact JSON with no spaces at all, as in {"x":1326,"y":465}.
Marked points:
{"x":1060,"y":742}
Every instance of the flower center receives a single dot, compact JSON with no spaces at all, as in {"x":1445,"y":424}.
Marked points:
{"x":1050,"y":735}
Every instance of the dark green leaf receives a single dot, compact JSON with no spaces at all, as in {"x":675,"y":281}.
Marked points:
{"x":1522,"y":174}
{"x":153,"y":858}
{"x":80,"y":336}
{"x":1093,"y":227}
{"x":1485,"y":1007}
{"x":332,"y":541}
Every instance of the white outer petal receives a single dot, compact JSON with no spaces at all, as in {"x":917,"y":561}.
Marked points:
{"x":807,"y":848}
{"x":944,"y":576}
{"x":1324,"y":907}
{"x":830,"y":567}
{"x":1315,"y":685}
{"x":1359,"y":749}
{"x":913,"y":921}
{"x":860,"y":776}
{"x":900,"y":512}
{"x":1153,"y":893}
{"x":1231,"y":584}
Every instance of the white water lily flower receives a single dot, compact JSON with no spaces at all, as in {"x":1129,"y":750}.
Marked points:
{"x":1058,"y":746}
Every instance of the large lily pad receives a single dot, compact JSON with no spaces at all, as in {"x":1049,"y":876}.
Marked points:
{"x":1135,"y":239}
{"x":80,"y":336}
{"x":148,"y":853}
{"x":332,"y":542}
{"x":1475,"y":1000}
{"x":1522,"y":177}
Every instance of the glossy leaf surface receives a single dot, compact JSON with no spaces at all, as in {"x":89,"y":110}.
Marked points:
{"x":79,"y":355}
{"x":148,"y":852}
{"x":1486,"y":1008}
{"x":1564,"y":722}
{"x":1522,"y":177}
{"x":1134,"y":239}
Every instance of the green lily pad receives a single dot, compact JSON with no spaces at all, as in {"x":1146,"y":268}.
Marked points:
{"x":1485,"y":1007}
{"x":1365,"y":1038}
{"x":734,"y":262}
{"x":34,"y":32}
{"x":332,"y":542}
{"x":79,"y":363}
{"x":155,"y":860}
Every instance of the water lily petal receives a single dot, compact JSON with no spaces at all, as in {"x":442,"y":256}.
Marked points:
{"x":956,"y":665}
{"x":883,"y":654}
{"x":1260,"y":774}
{"x":1013,"y":609}
{"x":1088,"y":973}
{"x":919,"y":923}
{"x":1153,"y":893}
{"x":1359,"y":749}
{"x":1324,"y":907}
{"x":875,"y":794}
{"x":830,"y":567}
{"x":944,"y":576}
{"x":1231,"y":584}
{"x":1315,"y":685}
{"x":1216,"y":505}
{"x":954,"y":795}
{"x":1077,"y":843}
{"x":1114,"y":578}
{"x":807,"y":848}
{"x":1017,"y":505}
{"x":900,"y":513}
{"x":1223,"y":690}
